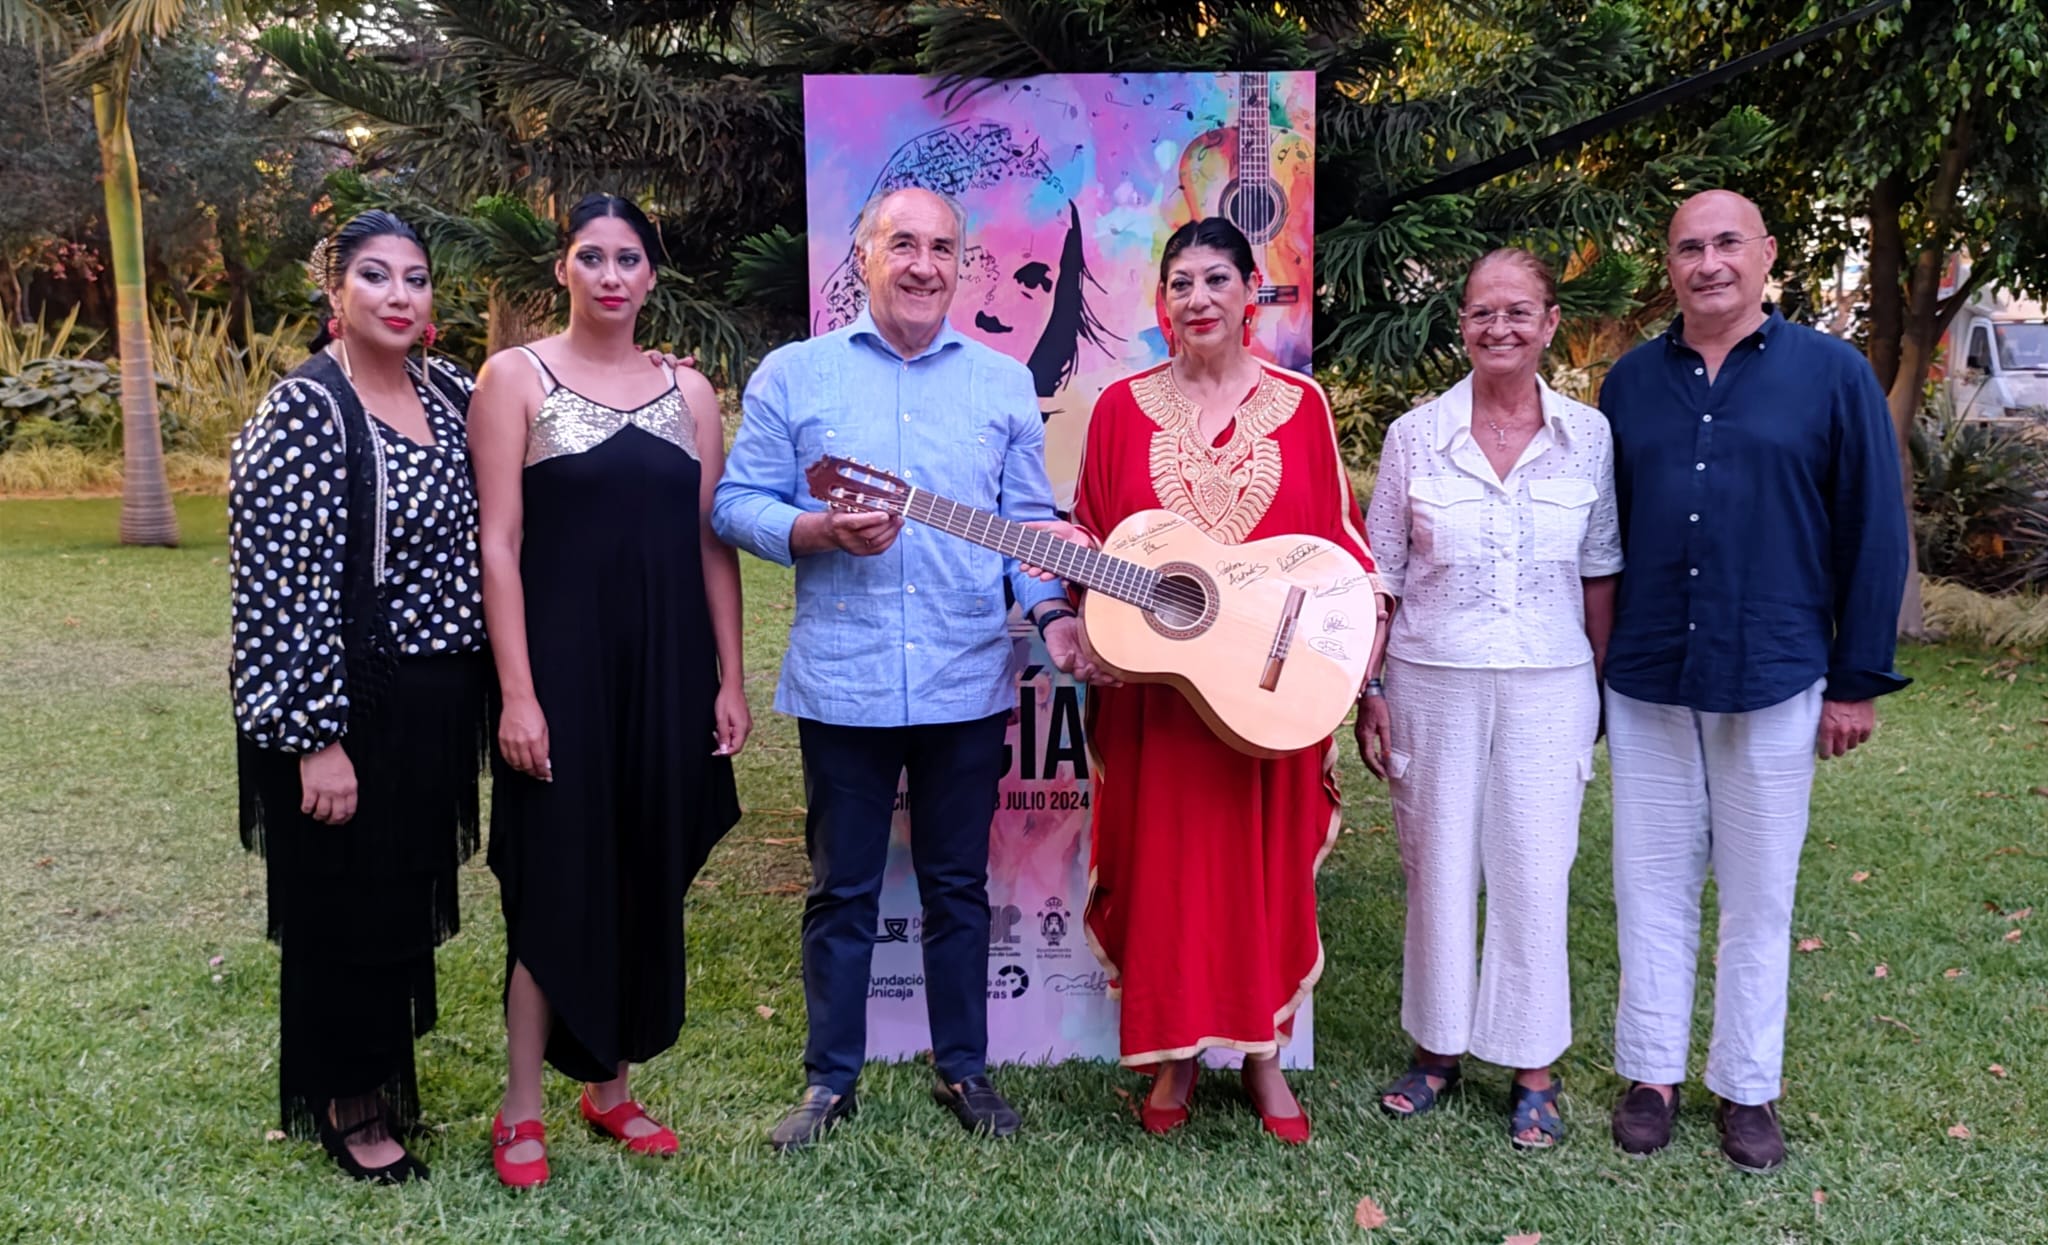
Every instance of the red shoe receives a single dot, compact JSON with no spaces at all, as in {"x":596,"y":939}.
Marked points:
{"x":503,"y":1137}
{"x":1160,"y":1121}
{"x":661,"y":1142}
{"x":1292,"y":1129}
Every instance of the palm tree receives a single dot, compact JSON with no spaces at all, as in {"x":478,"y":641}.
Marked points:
{"x":100,"y":42}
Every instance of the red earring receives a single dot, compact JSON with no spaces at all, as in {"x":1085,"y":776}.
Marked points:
{"x":1166,"y":331}
{"x":334,"y":327}
{"x":431,"y":335}
{"x":1251,"y":315}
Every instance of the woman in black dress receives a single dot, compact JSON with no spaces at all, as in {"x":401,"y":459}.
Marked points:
{"x":360,"y":689}
{"x":615,"y":615}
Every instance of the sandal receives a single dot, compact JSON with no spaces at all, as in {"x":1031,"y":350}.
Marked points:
{"x":1415,"y":1087}
{"x":1537,"y":1109}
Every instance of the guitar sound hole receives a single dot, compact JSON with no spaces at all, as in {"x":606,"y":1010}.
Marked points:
{"x":1255,"y":209}
{"x":1181,"y":603}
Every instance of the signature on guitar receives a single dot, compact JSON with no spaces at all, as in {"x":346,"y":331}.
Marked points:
{"x":1339,"y":587}
{"x":1301,"y":553}
{"x":1238,"y":574}
{"x":1133,"y":540}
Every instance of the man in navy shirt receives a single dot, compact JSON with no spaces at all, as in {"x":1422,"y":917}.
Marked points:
{"x":1765,"y":538}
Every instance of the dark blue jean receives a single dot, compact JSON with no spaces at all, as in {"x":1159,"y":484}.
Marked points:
{"x":850,"y":780}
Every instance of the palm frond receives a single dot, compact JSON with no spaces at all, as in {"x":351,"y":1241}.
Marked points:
{"x":772,"y":270}
{"x":56,"y":27}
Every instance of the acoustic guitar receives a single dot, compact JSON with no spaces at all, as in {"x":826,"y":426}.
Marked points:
{"x":1261,"y":180}
{"x":1268,"y":640}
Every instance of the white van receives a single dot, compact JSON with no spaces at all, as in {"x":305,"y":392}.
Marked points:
{"x":1997,"y":364}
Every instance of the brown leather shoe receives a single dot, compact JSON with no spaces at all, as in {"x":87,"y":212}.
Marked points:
{"x":1750,"y":1136}
{"x":1642,"y":1120}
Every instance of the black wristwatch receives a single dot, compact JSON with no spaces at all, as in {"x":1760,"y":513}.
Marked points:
{"x":1052,"y":616}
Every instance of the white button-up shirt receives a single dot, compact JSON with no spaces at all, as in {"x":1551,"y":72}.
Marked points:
{"x":1487,"y":570}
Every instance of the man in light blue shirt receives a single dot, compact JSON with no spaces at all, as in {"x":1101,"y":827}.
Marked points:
{"x":898,"y":655}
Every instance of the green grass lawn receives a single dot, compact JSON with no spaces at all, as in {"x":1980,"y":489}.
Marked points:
{"x":137,"y":1077}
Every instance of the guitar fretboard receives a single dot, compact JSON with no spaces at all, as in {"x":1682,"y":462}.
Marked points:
{"x":1255,"y":157}
{"x":1094,"y":570}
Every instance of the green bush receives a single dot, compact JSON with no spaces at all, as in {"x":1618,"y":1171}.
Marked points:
{"x":1980,"y":503}
{"x":61,"y":402}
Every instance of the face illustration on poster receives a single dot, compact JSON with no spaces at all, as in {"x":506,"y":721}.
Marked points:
{"x":1071,"y":185}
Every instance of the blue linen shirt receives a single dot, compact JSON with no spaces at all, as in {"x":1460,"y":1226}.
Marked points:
{"x":916,"y":634}
{"x":1761,"y":520}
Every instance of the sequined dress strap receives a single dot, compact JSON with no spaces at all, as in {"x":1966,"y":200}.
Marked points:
{"x":570,"y":423}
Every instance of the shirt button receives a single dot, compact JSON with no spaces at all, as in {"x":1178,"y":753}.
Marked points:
{"x":1699,"y":371}
{"x":830,"y":433}
{"x":910,"y":587}
{"x":842,"y":605}
{"x":1706,"y":419}
{"x":906,"y":417}
{"x":909,"y":644}
{"x":1693,"y":518}
{"x":1699,"y":466}
{"x":1695,"y":570}
{"x":1692,"y":626}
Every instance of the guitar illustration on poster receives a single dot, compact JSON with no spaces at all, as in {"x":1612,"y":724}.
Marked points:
{"x":1258,"y":172}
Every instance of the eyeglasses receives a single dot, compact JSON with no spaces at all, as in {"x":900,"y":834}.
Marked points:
{"x":1519,"y":316}
{"x":1727,"y":246}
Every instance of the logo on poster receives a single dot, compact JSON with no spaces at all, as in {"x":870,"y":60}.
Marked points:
{"x":1003,"y":920}
{"x":1011,"y":982}
{"x":1052,"y":922}
{"x":894,"y":929}
{"x":1093,"y":985}
{"x":895,"y":985}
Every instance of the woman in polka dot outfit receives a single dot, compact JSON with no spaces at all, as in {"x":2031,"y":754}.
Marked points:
{"x":361,"y":688}
{"x":1494,"y":522}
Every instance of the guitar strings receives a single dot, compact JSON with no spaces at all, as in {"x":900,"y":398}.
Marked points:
{"x":1174,"y":593}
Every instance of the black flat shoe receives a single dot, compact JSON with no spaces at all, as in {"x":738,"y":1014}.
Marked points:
{"x":978,"y":1107}
{"x":335,"y":1141}
{"x":1643,"y":1119}
{"x":1750,"y":1136}
{"x":814,"y":1115}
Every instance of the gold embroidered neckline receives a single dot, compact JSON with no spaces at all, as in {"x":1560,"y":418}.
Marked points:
{"x":1227,"y":489}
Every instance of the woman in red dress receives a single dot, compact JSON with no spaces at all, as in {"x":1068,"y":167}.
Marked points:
{"x":1202,"y":902}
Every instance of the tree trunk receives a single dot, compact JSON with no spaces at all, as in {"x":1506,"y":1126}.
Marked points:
{"x":1919,"y":331}
{"x":13,"y":299}
{"x":234,"y":263}
{"x":1887,"y":257}
{"x":147,"y":516}
{"x":510,"y":323}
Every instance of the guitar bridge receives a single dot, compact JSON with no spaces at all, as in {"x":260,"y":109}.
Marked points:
{"x":1283,"y":638}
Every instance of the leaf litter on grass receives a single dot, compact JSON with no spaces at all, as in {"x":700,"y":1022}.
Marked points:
{"x":1368,"y":1214}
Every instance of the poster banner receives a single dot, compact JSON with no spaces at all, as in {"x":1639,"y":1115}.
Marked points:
{"x":1072,"y":184}
{"x":1048,"y":996}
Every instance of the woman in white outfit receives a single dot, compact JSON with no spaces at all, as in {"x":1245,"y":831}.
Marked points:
{"x":1494,"y":524}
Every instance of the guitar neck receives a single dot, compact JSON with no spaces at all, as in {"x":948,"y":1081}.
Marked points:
{"x":1092,"y":569}
{"x":1254,"y":132}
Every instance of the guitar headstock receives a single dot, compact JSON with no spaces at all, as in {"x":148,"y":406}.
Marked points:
{"x":844,"y":484}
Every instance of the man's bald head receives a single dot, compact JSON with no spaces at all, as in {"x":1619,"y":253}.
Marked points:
{"x":1719,"y":259}
{"x":1719,"y":205}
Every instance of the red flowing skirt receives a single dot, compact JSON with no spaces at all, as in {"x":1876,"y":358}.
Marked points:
{"x":1202,"y":899}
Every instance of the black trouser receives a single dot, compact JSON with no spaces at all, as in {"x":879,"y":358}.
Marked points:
{"x":850,"y":775}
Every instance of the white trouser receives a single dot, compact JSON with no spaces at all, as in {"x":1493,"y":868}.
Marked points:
{"x":1488,"y":771}
{"x":1692,"y":789}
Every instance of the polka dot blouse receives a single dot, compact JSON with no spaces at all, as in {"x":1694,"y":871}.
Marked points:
{"x":288,"y":524}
